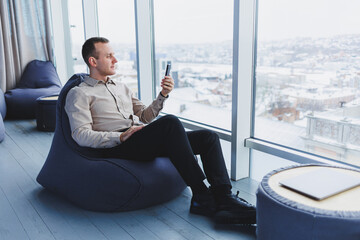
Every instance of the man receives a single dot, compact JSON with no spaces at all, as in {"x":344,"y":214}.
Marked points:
{"x":104,"y":114}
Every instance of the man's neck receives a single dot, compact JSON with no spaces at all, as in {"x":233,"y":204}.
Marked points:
{"x":99,"y":78}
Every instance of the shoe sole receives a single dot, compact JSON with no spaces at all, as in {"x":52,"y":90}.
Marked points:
{"x":226,"y":217}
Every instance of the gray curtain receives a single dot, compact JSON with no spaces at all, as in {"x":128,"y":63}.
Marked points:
{"x":25,"y":35}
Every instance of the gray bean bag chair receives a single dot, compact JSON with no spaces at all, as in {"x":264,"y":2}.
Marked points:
{"x":38,"y":79}
{"x":90,"y":181}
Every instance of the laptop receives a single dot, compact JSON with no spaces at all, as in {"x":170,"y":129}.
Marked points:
{"x":321,"y":183}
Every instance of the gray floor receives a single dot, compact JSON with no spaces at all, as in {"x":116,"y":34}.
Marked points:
{"x":27,"y":211}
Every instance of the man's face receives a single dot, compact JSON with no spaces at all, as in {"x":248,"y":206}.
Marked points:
{"x":105,"y":61}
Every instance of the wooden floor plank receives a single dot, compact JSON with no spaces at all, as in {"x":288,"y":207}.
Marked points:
{"x":54,"y":218}
{"x":25,"y":142}
{"x":41,"y":139}
{"x":133,"y":227}
{"x":84,"y":228}
{"x":108,"y":226}
{"x":176,"y":222}
{"x":10,"y":225}
{"x":28,"y":216}
{"x":153,"y":219}
{"x":30,"y":167}
{"x":80,"y":229}
{"x":51,"y":218}
{"x":28,"y":143}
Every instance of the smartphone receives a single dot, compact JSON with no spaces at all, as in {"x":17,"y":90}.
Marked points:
{"x":168,"y":68}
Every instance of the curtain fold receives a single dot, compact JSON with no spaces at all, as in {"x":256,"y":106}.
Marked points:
{"x":25,"y":35}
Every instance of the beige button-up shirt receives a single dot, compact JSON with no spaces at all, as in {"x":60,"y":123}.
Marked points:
{"x":99,"y":111}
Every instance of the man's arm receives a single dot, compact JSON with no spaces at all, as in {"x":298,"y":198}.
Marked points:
{"x":77,"y":107}
{"x":147,"y":114}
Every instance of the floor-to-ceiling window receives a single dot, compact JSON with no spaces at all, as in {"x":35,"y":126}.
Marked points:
{"x":117,"y":23}
{"x":308,"y":76}
{"x":196,"y":38}
{"x":306,"y":73}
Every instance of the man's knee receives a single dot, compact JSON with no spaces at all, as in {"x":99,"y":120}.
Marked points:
{"x":171,"y":119}
{"x":207,"y":136}
{"x":212,"y":136}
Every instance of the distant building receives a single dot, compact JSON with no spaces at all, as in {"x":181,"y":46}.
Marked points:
{"x":175,"y":76}
{"x":321,"y":102}
{"x":284,"y":110}
{"x":335,"y":134}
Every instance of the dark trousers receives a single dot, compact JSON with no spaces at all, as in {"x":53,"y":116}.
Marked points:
{"x":166,"y":137}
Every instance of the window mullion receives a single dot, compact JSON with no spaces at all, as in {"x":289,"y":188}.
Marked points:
{"x":244,"y":12}
{"x":144,"y":50}
{"x":91,"y":26}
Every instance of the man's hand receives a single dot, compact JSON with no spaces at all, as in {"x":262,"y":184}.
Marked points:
{"x":133,"y":129}
{"x":167,"y":85}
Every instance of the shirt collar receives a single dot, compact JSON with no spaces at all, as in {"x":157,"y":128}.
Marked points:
{"x":92,"y":81}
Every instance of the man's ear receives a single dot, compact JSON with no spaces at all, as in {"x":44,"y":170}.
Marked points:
{"x":92,"y":61}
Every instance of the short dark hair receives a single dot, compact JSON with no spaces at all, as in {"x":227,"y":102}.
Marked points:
{"x":88,"y":49}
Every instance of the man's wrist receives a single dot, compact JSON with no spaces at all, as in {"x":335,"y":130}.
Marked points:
{"x":167,"y":95}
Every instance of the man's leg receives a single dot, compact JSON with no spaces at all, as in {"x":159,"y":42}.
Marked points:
{"x":167,"y":137}
{"x":229,"y":207}
{"x":164,"y":137}
{"x":207,"y":144}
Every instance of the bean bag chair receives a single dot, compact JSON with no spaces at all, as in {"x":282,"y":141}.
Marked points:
{"x":92,"y":182}
{"x":38,"y":79}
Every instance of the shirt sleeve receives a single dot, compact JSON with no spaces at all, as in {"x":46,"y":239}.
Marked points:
{"x":77,"y":107}
{"x":147,"y":114}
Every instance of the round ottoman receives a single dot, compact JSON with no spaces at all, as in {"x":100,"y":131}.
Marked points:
{"x":46,"y":113}
{"x":285,"y":214}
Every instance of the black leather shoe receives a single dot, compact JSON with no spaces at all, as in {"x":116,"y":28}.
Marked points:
{"x":231,"y":209}
{"x":203,"y":204}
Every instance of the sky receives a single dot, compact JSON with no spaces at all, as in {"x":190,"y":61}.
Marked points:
{"x":193,"y":21}
{"x":281,"y":19}
{"x":200,"y":21}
